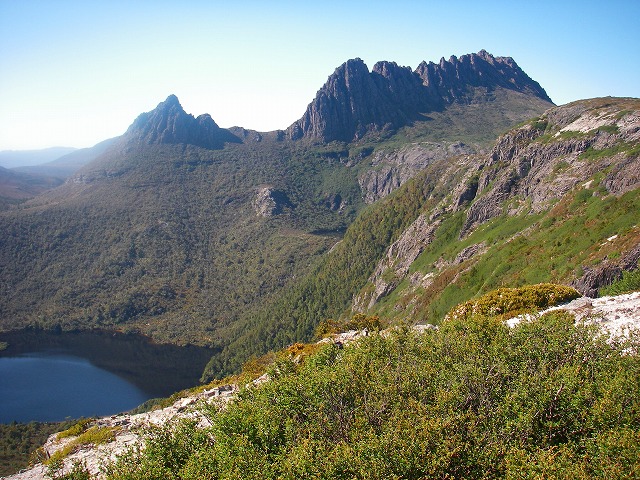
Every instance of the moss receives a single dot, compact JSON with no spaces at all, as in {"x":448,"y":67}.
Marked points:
{"x":507,"y":302}
{"x":75,"y":429}
{"x":93,"y":436}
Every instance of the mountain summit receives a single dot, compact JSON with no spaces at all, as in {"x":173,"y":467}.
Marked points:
{"x":168,"y":123}
{"x":354,"y":101}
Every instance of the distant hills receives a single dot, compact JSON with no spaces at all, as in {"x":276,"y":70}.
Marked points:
{"x":16,"y":186}
{"x":22,"y":158}
{"x":35,"y":171}
{"x":391,"y":195}
{"x":65,"y":165}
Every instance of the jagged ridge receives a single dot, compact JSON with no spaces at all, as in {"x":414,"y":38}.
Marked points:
{"x":168,"y":123}
{"x":355,"y":101}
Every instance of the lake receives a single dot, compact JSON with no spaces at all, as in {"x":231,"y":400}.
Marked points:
{"x":49,"y":377}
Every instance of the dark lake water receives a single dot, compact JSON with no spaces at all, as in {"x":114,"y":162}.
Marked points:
{"x":49,"y":377}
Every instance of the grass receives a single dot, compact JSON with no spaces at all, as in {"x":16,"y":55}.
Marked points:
{"x":552,"y":246}
{"x":92,"y":436}
{"x":592,"y":154}
{"x":630,"y":282}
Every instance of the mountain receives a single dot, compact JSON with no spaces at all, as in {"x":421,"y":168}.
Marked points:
{"x":168,"y":123}
{"x":244,"y":241}
{"x":355,"y":102}
{"x":17,"y":186}
{"x":19,"y":158}
{"x":64,"y":166}
{"x":554,"y":200}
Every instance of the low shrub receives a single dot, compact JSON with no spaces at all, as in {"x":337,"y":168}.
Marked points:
{"x":509,"y":302}
{"x":75,"y":429}
{"x":473,"y":399}
{"x":630,"y":282}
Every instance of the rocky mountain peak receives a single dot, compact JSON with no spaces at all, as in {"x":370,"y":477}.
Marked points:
{"x":168,"y":123}
{"x":354,"y":101}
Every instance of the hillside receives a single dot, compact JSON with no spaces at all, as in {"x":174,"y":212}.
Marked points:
{"x":406,"y":403}
{"x":555,"y":200}
{"x":188,"y":232}
{"x":66,"y":165}
{"x":16,"y":186}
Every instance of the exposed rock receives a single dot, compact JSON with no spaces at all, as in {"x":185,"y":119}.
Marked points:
{"x":528,"y":171}
{"x":469,"y":252}
{"x":390,"y":169}
{"x":128,"y":432}
{"x":169,"y":123}
{"x":395,"y":265}
{"x":523,"y":167}
{"x":334,"y":202}
{"x":606,"y":273}
{"x":450,"y":80}
{"x":615,"y":315}
{"x":354,"y":102}
{"x":269,"y":201}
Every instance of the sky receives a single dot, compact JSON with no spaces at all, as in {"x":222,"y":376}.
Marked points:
{"x":76,"y":72}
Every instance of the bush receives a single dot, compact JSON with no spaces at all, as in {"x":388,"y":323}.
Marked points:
{"x":509,"y":302}
{"x":630,"y":282}
{"x":472,"y":399}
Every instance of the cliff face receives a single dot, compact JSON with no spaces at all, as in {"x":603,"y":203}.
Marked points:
{"x":354,"y":101}
{"x":391,"y":169}
{"x":548,"y":166}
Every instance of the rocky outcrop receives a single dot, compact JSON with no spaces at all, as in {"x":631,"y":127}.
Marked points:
{"x":450,"y":80}
{"x":615,"y":315}
{"x":269,"y":201}
{"x":395,"y":265}
{"x":543,"y":160}
{"x":168,"y":123}
{"x":531,"y":168}
{"x":391,"y":169}
{"x":354,"y":102}
{"x":606,"y":273}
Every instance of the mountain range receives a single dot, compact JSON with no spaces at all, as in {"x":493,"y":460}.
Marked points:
{"x":398,"y":193}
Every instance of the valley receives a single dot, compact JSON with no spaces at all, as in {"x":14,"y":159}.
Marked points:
{"x":397,"y":196}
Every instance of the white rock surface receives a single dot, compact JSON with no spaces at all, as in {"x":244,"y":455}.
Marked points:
{"x":128,"y":432}
{"x":614,"y":314}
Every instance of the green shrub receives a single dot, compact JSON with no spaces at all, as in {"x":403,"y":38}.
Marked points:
{"x":630,"y":282}
{"x":75,"y":429}
{"x":473,"y":399}
{"x":508,"y":302}
{"x":93,"y":436}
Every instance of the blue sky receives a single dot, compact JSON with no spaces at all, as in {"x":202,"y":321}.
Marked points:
{"x":74,"y":73}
